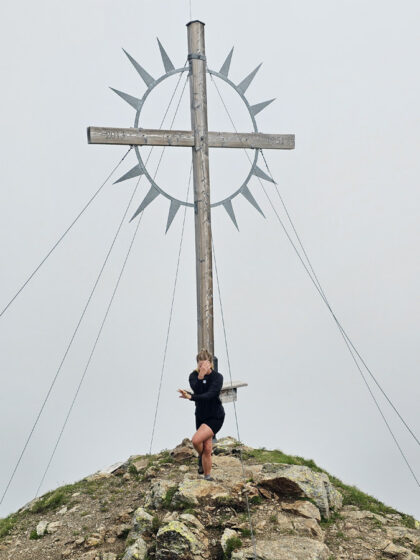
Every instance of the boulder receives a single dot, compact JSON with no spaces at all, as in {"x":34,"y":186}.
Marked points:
{"x":301,"y":482}
{"x":142,"y":522}
{"x":227,"y":534}
{"x":191,"y":491}
{"x":136,"y":551}
{"x":140,"y":464}
{"x":53,"y":527}
{"x":308,"y":528}
{"x":41,"y":528}
{"x":402,"y":532}
{"x":302,"y":508}
{"x":175,"y":540}
{"x":286,"y":548}
{"x":183,"y":451}
{"x":157,"y":492}
{"x":393,"y":550}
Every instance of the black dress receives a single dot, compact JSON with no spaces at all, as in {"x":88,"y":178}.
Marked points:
{"x":208,"y":406}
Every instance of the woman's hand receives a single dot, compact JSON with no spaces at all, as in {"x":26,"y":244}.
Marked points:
{"x":184,"y":394}
{"x":205,"y":369}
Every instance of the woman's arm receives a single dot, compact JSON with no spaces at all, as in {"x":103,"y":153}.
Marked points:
{"x":213,"y":392}
{"x":195,"y":385}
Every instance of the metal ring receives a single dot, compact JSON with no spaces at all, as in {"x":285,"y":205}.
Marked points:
{"x":136,"y":125}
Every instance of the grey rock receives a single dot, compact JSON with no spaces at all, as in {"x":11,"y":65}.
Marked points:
{"x":227,"y":534}
{"x":286,"y":548}
{"x":301,"y":481}
{"x":41,"y":528}
{"x":156,"y":495}
{"x":177,"y":541}
{"x":53,"y":527}
{"x":142,"y":521}
{"x":136,"y":551}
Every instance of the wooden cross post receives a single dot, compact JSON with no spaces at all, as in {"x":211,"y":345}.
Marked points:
{"x":199,"y":139}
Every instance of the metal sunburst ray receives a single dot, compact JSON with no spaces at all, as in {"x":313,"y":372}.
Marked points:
{"x":173,"y":209}
{"x":145,"y":76}
{"x":134,"y":172}
{"x":167,"y":64}
{"x":227,"y":204}
{"x":150,"y":197}
{"x":133,"y":101}
{"x":262,"y":174}
{"x":226,"y":65}
{"x":250,"y":198}
{"x":255,"y":109}
{"x":244,"y":85}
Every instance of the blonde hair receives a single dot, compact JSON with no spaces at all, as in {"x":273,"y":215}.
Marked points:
{"x":204,"y":355}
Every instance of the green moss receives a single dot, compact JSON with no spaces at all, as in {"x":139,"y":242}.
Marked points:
{"x":232,"y":544}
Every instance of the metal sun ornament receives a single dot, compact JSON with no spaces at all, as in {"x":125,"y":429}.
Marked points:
{"x":140,"y":168}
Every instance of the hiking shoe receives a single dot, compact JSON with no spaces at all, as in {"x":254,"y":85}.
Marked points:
{"x":208,"y":477}
{"x":200,"y":465}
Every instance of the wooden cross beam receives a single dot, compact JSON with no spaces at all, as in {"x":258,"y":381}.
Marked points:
{"x":185,"y":138}
{"x":200,"y":140}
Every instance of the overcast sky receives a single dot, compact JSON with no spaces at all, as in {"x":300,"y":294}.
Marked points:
{"x":345,"y":78}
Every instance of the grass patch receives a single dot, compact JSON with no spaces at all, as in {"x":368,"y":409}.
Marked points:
{"x":325,"y":523}
{"x":167,"y":500}
{"x":232,"y":544}
{"x":256,"y":500}
{"x":34,"y":535}
{"x":263,"y":455}
{"x":246,"y":533}
{"x":353,"y":496}
{"x":51,"y":500}
{"x":7,"y":524}
{"x":156,"y":523}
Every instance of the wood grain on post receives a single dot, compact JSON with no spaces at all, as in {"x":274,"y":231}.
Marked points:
{"x":202,"y":210}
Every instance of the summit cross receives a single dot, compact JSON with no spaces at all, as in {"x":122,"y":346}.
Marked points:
{"x":200,"y":140}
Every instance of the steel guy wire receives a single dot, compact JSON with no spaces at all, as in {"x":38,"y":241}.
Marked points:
{"x":324,"y":297}
{"x":64,"y":234}
{"x":234,"y":403}
{"x":93,"y":350}
{"x":71,"y":341}
{"x":347,"y":344}
{"x":314,"y":280}
{"x":88,"y":301}
{"x":176,"y":273}
{"x":170,"y":314}
{"x":113,"y":294}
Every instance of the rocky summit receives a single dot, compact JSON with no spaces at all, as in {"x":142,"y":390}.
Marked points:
{"x":261,"y":504}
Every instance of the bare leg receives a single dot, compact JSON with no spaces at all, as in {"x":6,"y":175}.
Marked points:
{"x":207,"y":448}
{"x":201,"y":435}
